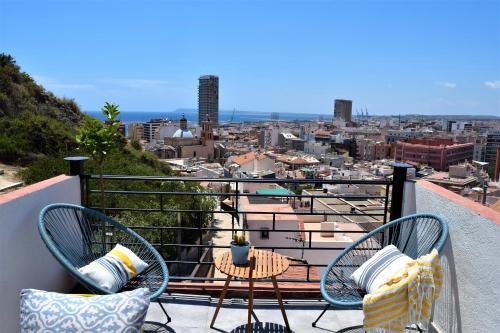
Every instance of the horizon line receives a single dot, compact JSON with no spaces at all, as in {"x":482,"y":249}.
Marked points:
{"x":321,"y":114}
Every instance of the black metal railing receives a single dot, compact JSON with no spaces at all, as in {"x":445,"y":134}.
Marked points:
{"x":184,"y":230}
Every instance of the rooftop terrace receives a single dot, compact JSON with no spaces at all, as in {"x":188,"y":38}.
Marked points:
{"x":471,"y":265}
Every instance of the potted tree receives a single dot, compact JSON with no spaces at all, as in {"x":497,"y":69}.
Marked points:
{"x":239,"y":249}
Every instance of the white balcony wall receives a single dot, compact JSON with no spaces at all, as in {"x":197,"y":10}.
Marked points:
{"x":24,"y":260}
{"x":469,"y":301}
{"x":276,"y":238}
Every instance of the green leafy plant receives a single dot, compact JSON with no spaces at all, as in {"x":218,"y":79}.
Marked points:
{"x":239,"y":239}
{"x":98,"y":138}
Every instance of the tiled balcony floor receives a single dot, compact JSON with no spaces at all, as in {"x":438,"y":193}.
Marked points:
{"x":194,"y":313}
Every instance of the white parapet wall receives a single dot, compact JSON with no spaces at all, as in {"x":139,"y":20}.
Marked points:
{"x":25,"y":262}
{"x":469,"y":300}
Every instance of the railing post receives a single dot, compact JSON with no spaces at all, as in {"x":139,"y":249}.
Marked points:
{"x":87,"y":201}
{"x":237,"y":205}
{"x":232,"y":206}
{"x":76,"y":165}
{"x":398,"y":183}
{"x":237,"y":195}
{"x":200,"y":226}
{"x":76,"y":169}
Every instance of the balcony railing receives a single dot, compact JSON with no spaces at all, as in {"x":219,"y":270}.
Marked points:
{"x":188,"y":246}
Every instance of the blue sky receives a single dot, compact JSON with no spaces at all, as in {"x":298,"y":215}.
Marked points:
{"x":427,"y":57}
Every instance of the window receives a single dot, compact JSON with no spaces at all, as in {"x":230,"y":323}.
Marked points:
{"x":264,"y":233}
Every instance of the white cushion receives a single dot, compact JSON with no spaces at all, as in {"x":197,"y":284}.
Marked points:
{"x":115,"y":269}
{"x":380,"y":268}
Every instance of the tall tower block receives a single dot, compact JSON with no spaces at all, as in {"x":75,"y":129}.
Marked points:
{"x":208,"y":99}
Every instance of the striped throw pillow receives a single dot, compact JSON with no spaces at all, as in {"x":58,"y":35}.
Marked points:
{"x":115,"y":269}
{"x":380,"y":268}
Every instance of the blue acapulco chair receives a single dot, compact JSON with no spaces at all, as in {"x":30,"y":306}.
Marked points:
{"x":414,"y":235}
{"x":76,"y":236}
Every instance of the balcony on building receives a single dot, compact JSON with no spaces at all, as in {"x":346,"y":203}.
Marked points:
{"x":310,"y":228}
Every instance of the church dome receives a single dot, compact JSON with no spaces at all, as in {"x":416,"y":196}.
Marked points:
{"x":184,"y":134}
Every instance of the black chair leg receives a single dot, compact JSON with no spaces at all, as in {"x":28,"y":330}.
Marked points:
{"x":165,"y":312}
{"x":321,"y":315}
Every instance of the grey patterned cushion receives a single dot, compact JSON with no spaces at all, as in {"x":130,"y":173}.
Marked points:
{"x":43,"y":311}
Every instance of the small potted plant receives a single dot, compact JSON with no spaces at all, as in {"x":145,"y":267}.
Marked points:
{"x":239,"y":249}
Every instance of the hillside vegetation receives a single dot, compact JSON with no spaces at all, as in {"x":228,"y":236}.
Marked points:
{"x":33,"y":121}
{"x":38,"y":129}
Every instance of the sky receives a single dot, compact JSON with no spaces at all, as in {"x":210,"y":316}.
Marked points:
{"x":389,"y":57}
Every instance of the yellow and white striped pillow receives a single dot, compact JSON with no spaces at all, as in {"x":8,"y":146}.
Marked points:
{"x":115,"y":269}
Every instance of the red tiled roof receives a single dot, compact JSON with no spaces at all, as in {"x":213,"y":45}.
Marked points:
{"x":322,"y":133}
{"x":250,"y":156}
{"x":245,"y":158}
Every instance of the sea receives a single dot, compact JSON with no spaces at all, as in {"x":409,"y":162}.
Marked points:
{"x":225,"y":116}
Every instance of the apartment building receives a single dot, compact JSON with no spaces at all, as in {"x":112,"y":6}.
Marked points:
{"x":150,"y":128}
{"x":492,"y":142}
{"x":370,"y":150}
{"x":342,"y":110}
{"x":436,"y":153}
{"x":208,"y":99}
{"x":135,"y":132}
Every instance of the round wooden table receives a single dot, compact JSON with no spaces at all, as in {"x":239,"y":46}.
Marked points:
{"x":261,"y":265}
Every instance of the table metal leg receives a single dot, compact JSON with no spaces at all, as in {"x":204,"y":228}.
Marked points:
{"x":250,"y":306}
{"x":221,"y":299}
{"x":280,"y":302}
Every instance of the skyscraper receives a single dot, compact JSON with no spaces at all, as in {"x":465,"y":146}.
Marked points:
{"x":342,"y":110}
{"x":208,"y":99}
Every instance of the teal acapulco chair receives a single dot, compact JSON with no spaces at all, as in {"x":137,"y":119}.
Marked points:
{"x":414,"y":235}
{"x":76,"y":236}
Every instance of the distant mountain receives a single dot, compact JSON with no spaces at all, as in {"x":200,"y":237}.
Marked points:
{"x":225,"y":116}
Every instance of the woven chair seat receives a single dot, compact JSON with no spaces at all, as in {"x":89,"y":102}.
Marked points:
{"x":414,"y":235}
{"x":76,"y":236}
